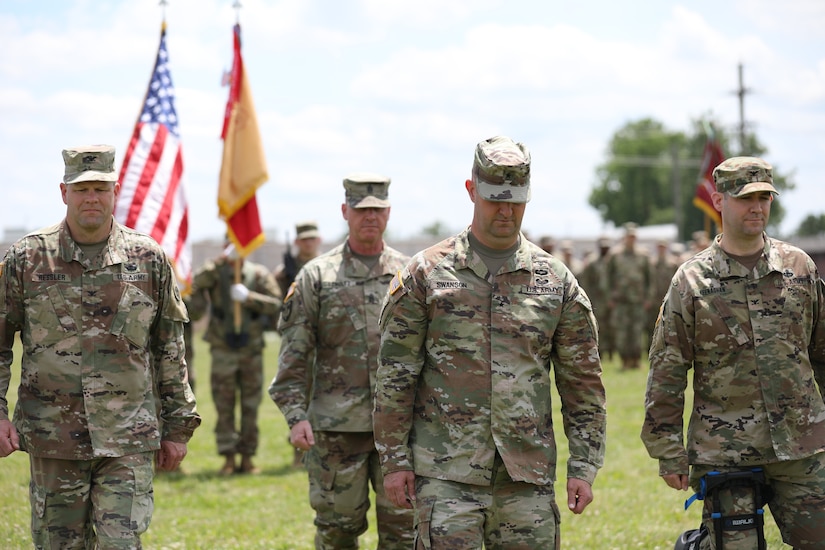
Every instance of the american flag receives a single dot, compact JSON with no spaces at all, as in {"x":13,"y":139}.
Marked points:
{"x":152,"y":198}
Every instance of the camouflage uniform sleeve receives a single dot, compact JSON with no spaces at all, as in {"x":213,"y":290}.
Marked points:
{"x":578,"y":376}
{"x":401,"y":358}
{"x":671,"y":356}
{"x":178,"y":414}
{"x":198,"y":301}
{"x":264,"y":295}
{"x":298,"y":325}
{"x":817,"y":348}
{"x":9,"y":324}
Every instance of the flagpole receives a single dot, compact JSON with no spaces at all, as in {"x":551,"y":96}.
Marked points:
{"x":237,"y":309}
{"x":236,"y":304}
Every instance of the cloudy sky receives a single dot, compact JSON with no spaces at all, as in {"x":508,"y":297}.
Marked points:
{"x":407,"y":89}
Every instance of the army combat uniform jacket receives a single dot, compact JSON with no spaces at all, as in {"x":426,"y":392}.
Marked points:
{"x":102,"y":370}
{"x":329,"y":328}
{"x":756,"y":343}
{"x":465,"y":368}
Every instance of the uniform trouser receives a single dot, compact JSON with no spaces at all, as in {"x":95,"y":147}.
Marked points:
{"x":104,"y":503}
{"x":237,"y":374}
{"x":505,"y":514}
{"x":797,"y":504}
{"x":341,"y":466}
{"x":628,"y":327}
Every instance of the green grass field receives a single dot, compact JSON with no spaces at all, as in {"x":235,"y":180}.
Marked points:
{"x":198,"y":509}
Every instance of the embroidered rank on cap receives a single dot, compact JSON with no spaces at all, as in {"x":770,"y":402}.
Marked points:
{"x":395,"y":284}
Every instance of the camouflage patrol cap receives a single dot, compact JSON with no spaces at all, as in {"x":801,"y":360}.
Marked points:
{"x":743,"y":175}
{"x":306,"y":230}
{"x":89,"y":163}
{"x":501,"y":170}
{"x":365,"y":190}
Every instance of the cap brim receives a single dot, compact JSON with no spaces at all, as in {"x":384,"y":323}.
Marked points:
{"x":307,"y":235}
{"x":370,"y":202}
{"x":503,"y":192}
{"x":754,"y":187}
{"x":90,"y":175}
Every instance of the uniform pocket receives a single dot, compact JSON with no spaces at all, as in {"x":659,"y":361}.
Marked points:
{"x":40,"y":529}
{"x":135,"y":312}
{"x":423,"y":521}
{"x":143,"y":501}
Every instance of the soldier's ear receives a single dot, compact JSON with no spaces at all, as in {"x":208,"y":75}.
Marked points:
{"x":471,"y":189}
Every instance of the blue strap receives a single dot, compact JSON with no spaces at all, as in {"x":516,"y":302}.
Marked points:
{"x":699,"y":495}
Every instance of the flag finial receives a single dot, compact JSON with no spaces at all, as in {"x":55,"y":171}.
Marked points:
{"x":237,"y":5}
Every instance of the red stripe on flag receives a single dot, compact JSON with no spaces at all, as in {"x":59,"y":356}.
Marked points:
{"x":147,"y":176}
{"x":168,"y":205}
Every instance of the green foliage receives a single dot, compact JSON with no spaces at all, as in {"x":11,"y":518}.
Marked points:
{"x":812,"y":226}
{"x":651,"y":174}
{"x":198,"y":510}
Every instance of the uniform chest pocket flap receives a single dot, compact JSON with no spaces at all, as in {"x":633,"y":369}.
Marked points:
{"x":54,"y":321}
{"x":135,"y":312}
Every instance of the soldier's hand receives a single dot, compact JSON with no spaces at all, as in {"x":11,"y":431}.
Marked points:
{"x":579,"y":495}
{"x":400,"y":488}
{"x":9,"y":440}
{"x":677,"y":481}
{"x":301,"y":436}
{"x":170,"y":455}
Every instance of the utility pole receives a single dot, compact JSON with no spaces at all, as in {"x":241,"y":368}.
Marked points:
{"x":741,"y":94}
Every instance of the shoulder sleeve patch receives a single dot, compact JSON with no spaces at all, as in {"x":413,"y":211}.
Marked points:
{"x":396,"y":283}
{"x":289,"y":292}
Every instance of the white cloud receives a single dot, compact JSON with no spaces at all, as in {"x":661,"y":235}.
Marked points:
{"x":407,"y":90}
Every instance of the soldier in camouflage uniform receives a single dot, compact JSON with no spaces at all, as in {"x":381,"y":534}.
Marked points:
{"x":469,"y":333}
{"x":748,"y":315}
{"x":329,"y":333}
{"x":103,"y":386}
{"x":628,"y":284}
{"x":308,"y":243}
{"x":592,"y":279}
{"x":236,"y":346}
{"x":662,"y":268}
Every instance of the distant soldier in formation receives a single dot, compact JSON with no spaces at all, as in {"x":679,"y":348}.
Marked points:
{"x":628,"y":279}
{"x":239,"y":313}
{"x":471,"y":329}
{"x":308,"y":242}
{"x":568,"y":256}
{"x":547,"y":243}
{"x":593,"y":279}
{"x":698,"y":242}
{"x":662,"y":268}
{"x":329,"y":334}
